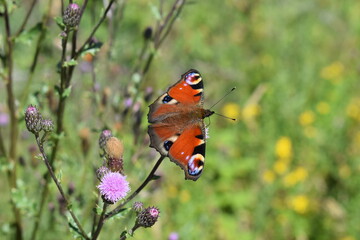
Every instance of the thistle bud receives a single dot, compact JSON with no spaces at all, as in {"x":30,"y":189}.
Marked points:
{"x":72,"y":15}
{"x":148,"y":217}
{"x":138,"y":207}
{"x":33,"y":119}
{"x":104,"y":136}
{"x":101,"y":172}
{"x":47,"y":125}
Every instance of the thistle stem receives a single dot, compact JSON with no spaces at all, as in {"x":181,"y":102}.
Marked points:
{"x":58,"y":185}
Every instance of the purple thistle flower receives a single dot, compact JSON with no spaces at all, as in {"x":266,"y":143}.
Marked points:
{"x":113,"y":187}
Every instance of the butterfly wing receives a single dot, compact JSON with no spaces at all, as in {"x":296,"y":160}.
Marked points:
{"x":176,"y":124}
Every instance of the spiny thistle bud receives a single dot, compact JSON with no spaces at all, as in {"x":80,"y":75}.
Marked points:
{"x":33,"y":119}
{"x":104,"y":136}
{"x":72,"y":15}
{"x":47,"y":125}
{"x":148,"y":217}
{"x":138,"y":207}
{"x":101,"y":172}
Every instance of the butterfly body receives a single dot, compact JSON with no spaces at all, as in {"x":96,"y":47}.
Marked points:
{"x":177,"y":129}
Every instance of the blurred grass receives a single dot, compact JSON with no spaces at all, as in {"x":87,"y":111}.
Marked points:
{"x":256,"y":185}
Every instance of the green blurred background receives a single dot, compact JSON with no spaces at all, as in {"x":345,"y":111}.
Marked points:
{"x":288,"y":168}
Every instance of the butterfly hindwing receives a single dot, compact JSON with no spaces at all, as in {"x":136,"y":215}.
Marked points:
{"x":176,"y":125}
{"x":188,"y":151}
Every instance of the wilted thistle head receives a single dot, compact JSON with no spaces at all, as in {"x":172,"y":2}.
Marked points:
{"x":114,"y":150}
{"x":72,"y":15}
{"x":113,"y":187}
{"x":33,"y":119}
{"x":104,"y":136}
{"x":148,"y":217}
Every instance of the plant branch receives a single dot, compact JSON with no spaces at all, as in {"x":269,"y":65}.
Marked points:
{"x":22,"y":27}
{"x":78,"y":52}
{"x":58,"y":185}
{"x":137,"y":191}
{"x":25,"y":92}
{"x":13,"y":119}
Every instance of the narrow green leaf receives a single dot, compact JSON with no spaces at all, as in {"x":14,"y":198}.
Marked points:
{"x":59,"y":22}
{"x":26,"y":37}
{"x":69,"y":63}
{"x":67,"y":92}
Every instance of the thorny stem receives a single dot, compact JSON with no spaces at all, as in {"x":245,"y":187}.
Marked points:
{"x":137,"y":191}
{"x":13,"y":120}
{"x":58,"y":185}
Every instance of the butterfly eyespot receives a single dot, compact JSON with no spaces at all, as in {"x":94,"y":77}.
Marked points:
{"x":167,"y":145}
{"x":167,"y":99}
{"x":196,"y":165}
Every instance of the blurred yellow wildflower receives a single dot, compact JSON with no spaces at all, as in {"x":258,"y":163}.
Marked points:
{"x":299,"y":204}
{"x":323,"y":107}
{"x":231,"y":110}
{"x":283,"y":148}
{"x":268,"y":176}
{"x":296,"y":176}
{"x":353,"y":109}
{"x":184,"y":196}
{"x":250,"y":111}
{"x":280,"y":166}
{"x":310,"y":131}
{"x":172,"y":191}
{"x":333,"y":72}
{"x":307,"y":118}
{"x":344,"y":171}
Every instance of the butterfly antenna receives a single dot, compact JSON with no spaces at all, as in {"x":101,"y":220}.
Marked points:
{"x":223,"y":98}
{"x":233,"y":119}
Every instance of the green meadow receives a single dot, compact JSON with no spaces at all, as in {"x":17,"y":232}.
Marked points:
{"x":287,"y":168}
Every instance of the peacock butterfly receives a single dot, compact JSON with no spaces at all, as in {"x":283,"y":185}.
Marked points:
{"x":177,"y":128}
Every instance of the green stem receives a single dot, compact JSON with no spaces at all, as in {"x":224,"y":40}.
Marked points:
{"x":25,"y":92}
{"x":13,"y":120}
{"x":58,"y":185}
